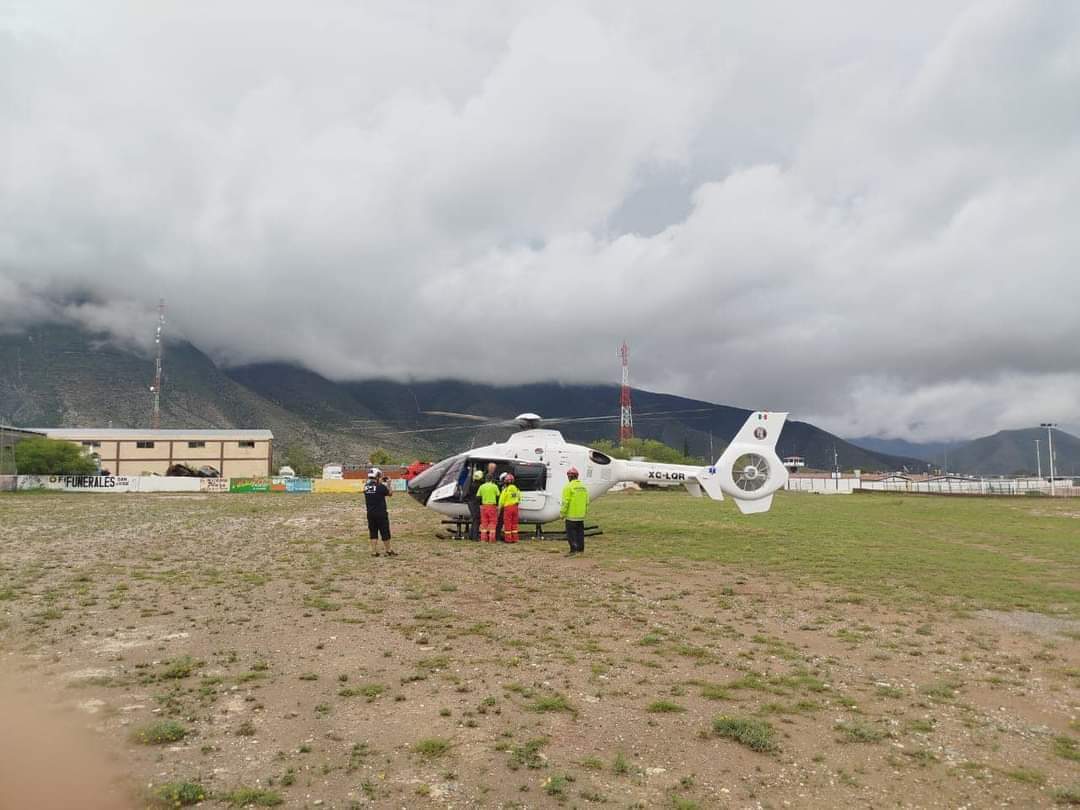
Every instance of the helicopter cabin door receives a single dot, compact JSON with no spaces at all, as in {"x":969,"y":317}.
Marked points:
{"x":453,"y":483}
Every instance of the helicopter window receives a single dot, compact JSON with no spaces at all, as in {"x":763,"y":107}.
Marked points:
{"x":529,"y":477}
{"x":596,"y":457}
{"x":455,"y":473}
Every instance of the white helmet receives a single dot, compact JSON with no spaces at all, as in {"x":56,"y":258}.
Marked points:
{"x":374,"y":472}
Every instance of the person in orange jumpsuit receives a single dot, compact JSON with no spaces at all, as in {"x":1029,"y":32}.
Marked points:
{"x":488,"y":493}
{"x":509,"y":500}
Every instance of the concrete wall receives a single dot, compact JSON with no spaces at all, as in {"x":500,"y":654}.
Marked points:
{"x":121,"y":483}
{"x":823,"y":485}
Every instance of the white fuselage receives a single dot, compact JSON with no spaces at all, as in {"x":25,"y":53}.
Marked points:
{"x":597,"y":471}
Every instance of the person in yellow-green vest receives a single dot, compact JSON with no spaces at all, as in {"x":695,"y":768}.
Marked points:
{"x":575,"y":505}
{"x":488,"y":493}
{"x":509,"y":499}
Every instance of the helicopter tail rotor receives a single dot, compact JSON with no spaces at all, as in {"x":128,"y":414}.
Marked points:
{"x":749,"y":469}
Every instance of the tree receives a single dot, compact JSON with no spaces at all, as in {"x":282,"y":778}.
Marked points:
{"x":649,"y":449}
{"x":297,"y":457}
{"x":380,"y":457}
{"x":52,"y":457}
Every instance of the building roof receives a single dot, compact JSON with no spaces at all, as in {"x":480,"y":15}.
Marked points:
{"x":26,"y":431}
{"x":133,"y":434}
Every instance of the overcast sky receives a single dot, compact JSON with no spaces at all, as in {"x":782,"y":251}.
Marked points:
{"x":862,"y":211}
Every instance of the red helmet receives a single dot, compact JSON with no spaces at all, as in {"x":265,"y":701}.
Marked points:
{"x":509,"y":478}
{"x":572,"y":472}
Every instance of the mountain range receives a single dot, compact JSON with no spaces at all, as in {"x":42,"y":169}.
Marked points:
{"x":64,"y":376}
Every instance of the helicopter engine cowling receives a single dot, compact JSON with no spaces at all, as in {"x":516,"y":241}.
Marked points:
{"x":749,"y":471}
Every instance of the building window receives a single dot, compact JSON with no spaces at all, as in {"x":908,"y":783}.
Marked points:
{"x":246,"y":444}
{"x":91,"y":444}
{"x":145,"y":445}
{"x":196,"y":444}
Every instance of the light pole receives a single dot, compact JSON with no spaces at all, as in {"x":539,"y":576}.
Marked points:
{"x":1050,"y":449}
{"x":1038,"y":458}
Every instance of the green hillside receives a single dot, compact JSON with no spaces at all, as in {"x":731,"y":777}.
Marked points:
{"x":61,"y":376}
{"x":1013,"y":451}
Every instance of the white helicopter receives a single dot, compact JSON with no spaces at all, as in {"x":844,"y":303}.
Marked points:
{"x":748,"y":470}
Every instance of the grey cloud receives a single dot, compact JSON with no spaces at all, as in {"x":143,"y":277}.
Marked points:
{"x":863,"y":213}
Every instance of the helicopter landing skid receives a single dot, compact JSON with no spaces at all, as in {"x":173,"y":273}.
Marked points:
{"x":541,"y":534}
{"x":458,"y":529}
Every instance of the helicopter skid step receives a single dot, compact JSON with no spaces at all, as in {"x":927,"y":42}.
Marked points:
{"x":459,"y":530}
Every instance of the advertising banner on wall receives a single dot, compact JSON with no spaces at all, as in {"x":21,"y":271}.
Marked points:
{"x":330,"y":485}
{"x":290,"y":484}
{"x":249,"y":485}
{"x":213,"y":485}
{"x":76,"y":483}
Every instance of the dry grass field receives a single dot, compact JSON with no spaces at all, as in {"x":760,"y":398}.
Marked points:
{"x":866,"y":651}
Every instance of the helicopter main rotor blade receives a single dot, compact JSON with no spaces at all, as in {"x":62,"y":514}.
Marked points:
{"x":454,"y":415}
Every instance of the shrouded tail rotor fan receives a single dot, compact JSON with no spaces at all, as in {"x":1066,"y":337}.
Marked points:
{"x":750,"y":472}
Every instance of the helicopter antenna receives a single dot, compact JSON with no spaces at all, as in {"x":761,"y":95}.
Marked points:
{"x":626,"y":415}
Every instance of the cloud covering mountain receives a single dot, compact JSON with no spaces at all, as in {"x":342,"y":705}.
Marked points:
{"x":861,"y":212}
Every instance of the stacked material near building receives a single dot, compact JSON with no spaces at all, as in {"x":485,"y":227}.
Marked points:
{"x":234,"y":453}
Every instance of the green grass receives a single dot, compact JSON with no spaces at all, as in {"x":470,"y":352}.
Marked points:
{"x":551,"y":703}
{"x":1067,"y":748}
{"x":996,"y":553}
{"x":369,"y":691}
{"x":431,"y":747}
{"x":665,"y":707}
{"x":1068,"y":795}
{"x":757,"y":735}
{"x":1027,"y":776}
{"x":855,"y":731}
{"x":179,"y":794}
{"x":159,"y":733}
{"x":528,"y":754}
{"x":243,"y":797}
{"x":180,"y":668}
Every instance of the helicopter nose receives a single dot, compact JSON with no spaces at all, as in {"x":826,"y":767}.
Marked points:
{"x":419,"y":493}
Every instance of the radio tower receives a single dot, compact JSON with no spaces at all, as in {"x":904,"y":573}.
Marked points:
{"x":626,"y":416}
{"x":155,"y":389}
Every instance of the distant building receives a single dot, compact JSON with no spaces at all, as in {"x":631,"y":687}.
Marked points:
{"x":234,"y":453}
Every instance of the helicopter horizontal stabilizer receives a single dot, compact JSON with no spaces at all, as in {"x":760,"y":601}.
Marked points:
{"x":752,"y":507}
{"x":693,"y":487}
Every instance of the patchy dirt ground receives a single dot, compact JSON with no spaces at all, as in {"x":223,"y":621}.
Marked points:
{"x":248,"y":650}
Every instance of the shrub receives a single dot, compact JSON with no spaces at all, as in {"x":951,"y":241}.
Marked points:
{"x":159,"y":733}
{"x":431,"y":747}
{"x":52,"y":457}
{"x":180,"y":794}
{"x":757,"y":735}
{"x":665,"y":707}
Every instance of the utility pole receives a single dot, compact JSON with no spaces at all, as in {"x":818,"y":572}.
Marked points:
{"x":1038,"y":458}
{"x":1050,"y":449}
{"x":155,"y":389}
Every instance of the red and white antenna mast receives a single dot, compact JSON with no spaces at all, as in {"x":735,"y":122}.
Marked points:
{"x":626,"y":416}
{"x":155,"y":389}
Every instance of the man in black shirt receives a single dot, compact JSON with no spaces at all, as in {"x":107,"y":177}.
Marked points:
{"x":376,"y":491}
